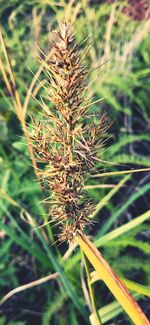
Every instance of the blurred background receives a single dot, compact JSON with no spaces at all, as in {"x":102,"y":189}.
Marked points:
{"x":116,"y":34}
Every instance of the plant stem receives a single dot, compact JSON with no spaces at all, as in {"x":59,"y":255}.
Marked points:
{"x":91,"y":292}
{"x":12,"y":89}
{"x":113,"y":282}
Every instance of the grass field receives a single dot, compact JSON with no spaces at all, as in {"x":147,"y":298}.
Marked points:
{"x":45,"y":286}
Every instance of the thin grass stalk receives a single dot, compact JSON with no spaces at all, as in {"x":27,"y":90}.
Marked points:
{"x":29,"y":285}
{"x":130,"y":171}
{"x":91,"y":291}
{"x":32,"y":84}
{"x":12,"y":89}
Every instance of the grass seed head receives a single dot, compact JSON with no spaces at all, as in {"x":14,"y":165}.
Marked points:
{"x":63,"y":140}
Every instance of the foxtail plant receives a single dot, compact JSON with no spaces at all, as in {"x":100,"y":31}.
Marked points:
{"x":70,"y":145}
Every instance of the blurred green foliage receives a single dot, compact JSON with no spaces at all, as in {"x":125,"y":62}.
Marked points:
{"x":118,"y":58}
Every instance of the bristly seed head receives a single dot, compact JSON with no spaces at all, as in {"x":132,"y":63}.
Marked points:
{"x":63,"y":141}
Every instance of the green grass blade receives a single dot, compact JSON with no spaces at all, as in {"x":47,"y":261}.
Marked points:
{"x":114,"y":149}
{"x":131,"y":285}
{"x":137,"y":287}
{"x":122,"y":229}
{"x":26,"y":245}
{"x":110,"y":236}
{"x":134,"y":159}
{"x":65,"y":282}
{"x":123,"y":208}
{"x":110,"y":311}
{"x":108,"y":196}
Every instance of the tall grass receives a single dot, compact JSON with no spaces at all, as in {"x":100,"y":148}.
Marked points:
{"x":124,"y":81}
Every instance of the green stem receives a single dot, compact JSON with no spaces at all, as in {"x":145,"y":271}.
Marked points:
{"x":91,"y":292}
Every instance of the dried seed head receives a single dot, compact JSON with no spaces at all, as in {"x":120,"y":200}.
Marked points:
{"x":63,"y":141}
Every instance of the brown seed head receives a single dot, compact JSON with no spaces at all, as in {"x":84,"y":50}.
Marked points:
{"x":63,"y":141}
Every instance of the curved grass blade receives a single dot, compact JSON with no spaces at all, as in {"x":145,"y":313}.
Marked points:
{"x":112,"y":281}
{"x":66,"y":284}
{"x":123,"y":208}
{"x":20,"y":237}
{"x":111,"y":235}
{"x":122,"y":229}
{"x":112,"y":310}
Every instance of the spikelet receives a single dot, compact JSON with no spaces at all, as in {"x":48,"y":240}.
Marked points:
{"x":63,"y":140}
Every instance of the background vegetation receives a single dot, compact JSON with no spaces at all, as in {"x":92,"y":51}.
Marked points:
{"x":120,"y":40}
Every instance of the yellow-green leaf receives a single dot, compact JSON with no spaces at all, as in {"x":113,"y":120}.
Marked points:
{"x":113,"y":282}
{"x":134,"y":286}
